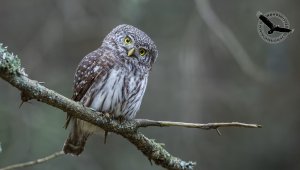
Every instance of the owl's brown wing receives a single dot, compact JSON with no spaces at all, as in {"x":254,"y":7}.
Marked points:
{"x":84,"y":76}
{"x":92,"y":67}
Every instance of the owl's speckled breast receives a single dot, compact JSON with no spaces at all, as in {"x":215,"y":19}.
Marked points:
{"x":120,"y":94}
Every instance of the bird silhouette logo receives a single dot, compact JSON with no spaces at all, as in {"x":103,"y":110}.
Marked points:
{"x":273,"y":27}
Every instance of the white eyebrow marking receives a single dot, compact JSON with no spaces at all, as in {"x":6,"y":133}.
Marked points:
{"x":96,"y":68}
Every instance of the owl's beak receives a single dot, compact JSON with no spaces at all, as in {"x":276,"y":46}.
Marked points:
{"x":130,"y":52}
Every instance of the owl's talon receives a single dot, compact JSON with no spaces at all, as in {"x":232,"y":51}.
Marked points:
{"x":120,"y":119}
{"x":93,"y":109}
{"x":107,"y":114}
{"x":80,"y":103}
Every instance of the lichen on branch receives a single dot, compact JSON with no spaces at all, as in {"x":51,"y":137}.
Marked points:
{"x":8,"y":61}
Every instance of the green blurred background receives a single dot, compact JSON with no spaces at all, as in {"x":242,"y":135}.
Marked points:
{"x":200,"y":76}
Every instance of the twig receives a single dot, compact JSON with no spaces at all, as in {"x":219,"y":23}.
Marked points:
{"x":31,"y":163}
{"x":230,"y":41}
{"x":12,"y":72}
{"x":147,"y":123}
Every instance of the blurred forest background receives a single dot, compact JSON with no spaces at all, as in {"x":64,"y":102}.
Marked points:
{"x":212,"y":67}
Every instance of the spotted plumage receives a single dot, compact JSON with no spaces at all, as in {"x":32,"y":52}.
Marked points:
{"x":112,"y":79}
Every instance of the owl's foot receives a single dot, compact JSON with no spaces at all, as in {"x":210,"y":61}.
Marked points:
{"x":120,"y":119}
{"x":81,"y":104}
{"x":107,"y":115}
{"x":92,"y":109}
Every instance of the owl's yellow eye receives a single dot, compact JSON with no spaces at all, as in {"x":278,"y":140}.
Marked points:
{"x":127,"y":40}
{"x":142,"y":51}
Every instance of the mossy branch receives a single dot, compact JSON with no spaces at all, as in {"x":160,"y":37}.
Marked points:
{"x":12,"y":71}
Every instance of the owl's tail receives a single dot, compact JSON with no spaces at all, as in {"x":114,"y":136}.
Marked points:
{"x":75,"y":142}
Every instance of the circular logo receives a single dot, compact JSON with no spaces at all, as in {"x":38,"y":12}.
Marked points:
{"x":273,"y":27}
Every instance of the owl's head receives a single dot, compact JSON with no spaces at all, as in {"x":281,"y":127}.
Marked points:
{"x":133,"y":44}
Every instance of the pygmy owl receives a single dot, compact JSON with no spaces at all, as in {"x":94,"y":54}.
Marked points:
{"x":112,"y":79}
